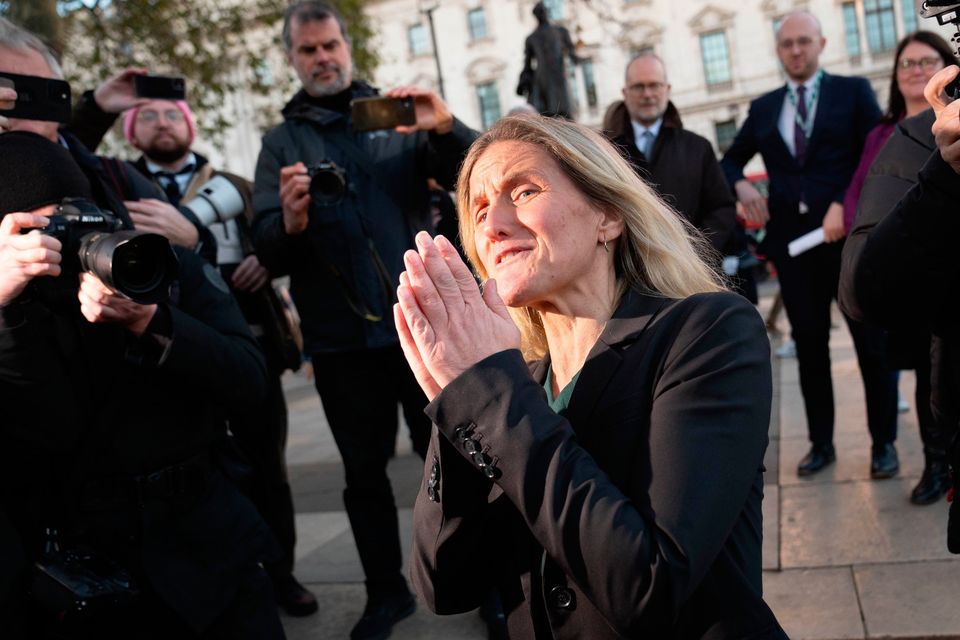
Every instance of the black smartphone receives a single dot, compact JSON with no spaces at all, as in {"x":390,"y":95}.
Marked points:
{"x":37,"y":98}
{"x":161,"y":87}
{"x":382,"y":113}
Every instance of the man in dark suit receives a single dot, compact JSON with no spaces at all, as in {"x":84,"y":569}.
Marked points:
{"x":810,"y":134}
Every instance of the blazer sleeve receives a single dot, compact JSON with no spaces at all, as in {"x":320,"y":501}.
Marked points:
{"x":706,"y":444}
{"x":744,"y":147}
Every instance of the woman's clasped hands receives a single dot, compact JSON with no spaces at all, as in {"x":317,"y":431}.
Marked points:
{"x":446,"y":325}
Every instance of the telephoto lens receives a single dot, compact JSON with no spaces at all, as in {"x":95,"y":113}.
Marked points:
{"x":141,"y":266}
{"x":218,"y":200}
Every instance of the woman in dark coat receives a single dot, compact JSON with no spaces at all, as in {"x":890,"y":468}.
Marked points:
{"x":613,"y":488}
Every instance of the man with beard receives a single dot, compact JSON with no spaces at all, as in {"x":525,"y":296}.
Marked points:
{"x":344,"y":254}
{"x":164,"y":131}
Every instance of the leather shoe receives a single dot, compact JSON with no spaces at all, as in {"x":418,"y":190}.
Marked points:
{"x":884,"y":462}
{"x":293,"y":597}
{"x":819,"y":456}
{"x":381,"y":614}
{"x":934,"y":483}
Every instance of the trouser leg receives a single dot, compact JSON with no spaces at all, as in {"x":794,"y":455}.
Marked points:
{"x":359,"y":397}
{"x":879,"y":381}
{"x":261,"y":435}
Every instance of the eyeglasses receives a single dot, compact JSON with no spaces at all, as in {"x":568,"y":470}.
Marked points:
{"x":652,"y":87}
{"x":925,"y":64}
{"x":802,"y":42}
{"x":149,"y":115}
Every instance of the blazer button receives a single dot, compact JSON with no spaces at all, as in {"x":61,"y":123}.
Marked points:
{"x":480,"y":459}
{"x":471,"y":446}
{"x":491,"y":472}
{"x":561,"y":597}
{"x":432,"y":494}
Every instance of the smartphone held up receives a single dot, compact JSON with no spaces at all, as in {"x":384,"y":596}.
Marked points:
{"x":379,"y":112}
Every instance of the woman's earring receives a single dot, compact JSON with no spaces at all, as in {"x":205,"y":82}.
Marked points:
{"x":605,"y":247}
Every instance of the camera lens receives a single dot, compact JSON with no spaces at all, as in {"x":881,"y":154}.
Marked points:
{"x":142,"y":266}
{"x":327,"y":186}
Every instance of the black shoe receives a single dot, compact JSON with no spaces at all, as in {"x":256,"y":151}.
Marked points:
{"x":381,"y":614}
{"x":293,"y":597}
{"x":934,"y":484}
{"x":819,"y":456}
{"x":883,"y":462}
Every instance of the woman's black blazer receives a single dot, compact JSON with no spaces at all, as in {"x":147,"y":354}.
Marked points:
{"x":636,"y":514}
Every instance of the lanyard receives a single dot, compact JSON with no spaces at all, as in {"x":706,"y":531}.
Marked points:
{"x":811,"y":99}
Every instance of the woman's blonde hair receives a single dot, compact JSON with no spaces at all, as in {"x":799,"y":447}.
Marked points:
{"x":659,"y":252}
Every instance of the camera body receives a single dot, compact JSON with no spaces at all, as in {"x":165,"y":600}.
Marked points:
{"x":945,"y":12}
{"x":328,"y":183}
{"x":141,"y":266}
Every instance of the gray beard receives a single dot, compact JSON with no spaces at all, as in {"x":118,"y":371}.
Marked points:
{"x":318,"y":90}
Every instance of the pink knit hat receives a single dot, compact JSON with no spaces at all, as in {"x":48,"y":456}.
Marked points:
{"x":130,"y":117}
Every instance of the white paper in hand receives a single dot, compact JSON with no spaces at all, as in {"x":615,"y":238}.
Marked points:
{"x":805,"y":242}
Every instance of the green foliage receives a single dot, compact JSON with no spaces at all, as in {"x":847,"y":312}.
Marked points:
{"x":220,"y":46}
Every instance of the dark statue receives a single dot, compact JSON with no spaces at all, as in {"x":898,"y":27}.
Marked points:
{"x":544,"y":83}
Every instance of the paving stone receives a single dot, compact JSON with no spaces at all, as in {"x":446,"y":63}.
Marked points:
{"x":771,"y":526}
{"x":814,"y":604}
{"x":858,"y":522}
{"x":910,"y":600}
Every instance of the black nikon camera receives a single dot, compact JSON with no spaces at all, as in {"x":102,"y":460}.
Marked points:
{"x":328,"y":183}
{"x":140,"y":265}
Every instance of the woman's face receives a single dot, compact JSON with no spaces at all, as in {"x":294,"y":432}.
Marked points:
{"x":915,"y":66}
{"x":536,"y":234}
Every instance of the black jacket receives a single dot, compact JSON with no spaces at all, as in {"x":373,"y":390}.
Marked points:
{"x":334,"y":273}
{"x":645,"y":495}
{"x":900,"y":268}
{"x":90,"y":404}
{"x":847,"y":110}
{"x":683,"y":168}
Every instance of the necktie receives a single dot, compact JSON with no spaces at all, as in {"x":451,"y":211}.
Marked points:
{"x":799,"y":135}
{"x":171,"y":188}
{"x":646,"y":142}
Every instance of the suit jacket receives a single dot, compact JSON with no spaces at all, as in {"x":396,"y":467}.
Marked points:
{"x":637,"y":513}
{"x":847,"y":110}
{"x":683,"y":169}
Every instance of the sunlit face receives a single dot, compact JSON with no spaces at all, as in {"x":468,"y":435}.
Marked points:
{"x":28,"y":62}
{"x":799,"y":44}
{"x":646,"y":93}
{"x":535,"y":233}
{"x":917,"y":63}
{"x":321,"y":56}
{"x":161,"y":131}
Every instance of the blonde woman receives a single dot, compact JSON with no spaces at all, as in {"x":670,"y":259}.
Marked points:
{"x":611,"y":487}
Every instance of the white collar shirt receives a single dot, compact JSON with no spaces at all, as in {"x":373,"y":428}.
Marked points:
{"x":638,"y":135}
{"x":788,"y":113}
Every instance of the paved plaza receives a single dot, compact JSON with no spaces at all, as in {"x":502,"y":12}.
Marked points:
{"x":844,"y":556}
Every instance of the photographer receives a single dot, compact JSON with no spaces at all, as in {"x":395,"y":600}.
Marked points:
{"x":94,"y":446}
{"x":910,"y":250}
{"x":342,"y":243}
{"x":164,"y":131}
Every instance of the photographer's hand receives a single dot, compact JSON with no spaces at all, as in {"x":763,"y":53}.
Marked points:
{"x":946,"y":128}
{"x":24,"y":257}
{"x":98,"y":303}
{"x":432,"y":112}
{"x":250,"y":275}
{"x":157,"y":216}
{"x":117,"y":94}
{"x":8,"y":100}
{"x":295,"y":198}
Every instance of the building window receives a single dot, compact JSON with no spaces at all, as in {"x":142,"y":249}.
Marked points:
{"x":881,"y":27}
{"x":851,"y":30}
{"x":489,"y":98}
{"x":909,"y":16}
{"x":589,"y":83}
{"x":726,"y":131}
{"x":641,"y":50}
{"x":419,"y":40}
{"x":776,"y":26}
{"x":477,"y":22}
{"x":555,"y":9}
{"x":716,"y":58}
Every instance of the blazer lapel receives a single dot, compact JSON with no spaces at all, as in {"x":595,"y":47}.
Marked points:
{"x":632,"y":316}
{"x":772,"y":120}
